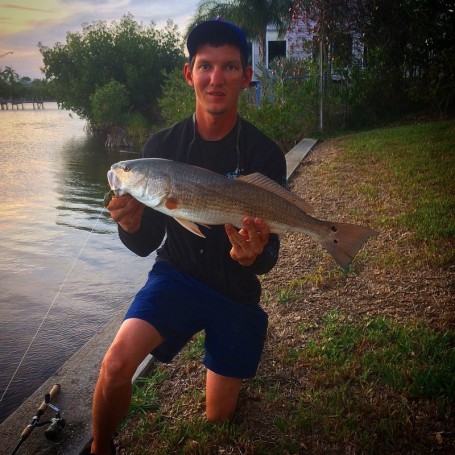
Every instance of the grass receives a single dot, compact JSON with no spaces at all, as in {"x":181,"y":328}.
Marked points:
{"x":145,"y":397}
{"x":364,"y":385}
{"x":376,"y":372}
{"x":420,"y":161}
{"x":369,"y":381}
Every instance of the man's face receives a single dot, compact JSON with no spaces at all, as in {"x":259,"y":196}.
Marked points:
{"x":217,"y":77}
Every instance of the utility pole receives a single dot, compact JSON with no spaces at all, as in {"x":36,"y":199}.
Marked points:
{"x":321,"y":85}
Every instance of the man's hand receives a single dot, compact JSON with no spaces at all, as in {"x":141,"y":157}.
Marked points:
{"x":249,"y":242}
{"x":127,"y":212}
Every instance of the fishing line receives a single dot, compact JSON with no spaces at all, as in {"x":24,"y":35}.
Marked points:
{"x":238,"y":127}
{"x":51,"y":305}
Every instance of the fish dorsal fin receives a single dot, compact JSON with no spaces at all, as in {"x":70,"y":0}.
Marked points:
{"x":267,"y":184}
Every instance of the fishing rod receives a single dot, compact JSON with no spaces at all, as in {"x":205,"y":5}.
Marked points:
{"x":106,"y":202}
{"x":57,"y":423}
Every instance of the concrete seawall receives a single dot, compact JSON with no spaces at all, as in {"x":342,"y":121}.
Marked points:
{"x":78,"y":376}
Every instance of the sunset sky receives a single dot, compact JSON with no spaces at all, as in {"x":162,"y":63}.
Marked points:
{"x":25,"y":23}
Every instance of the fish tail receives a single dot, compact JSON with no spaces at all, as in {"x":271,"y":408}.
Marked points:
{"x":345,"y":240}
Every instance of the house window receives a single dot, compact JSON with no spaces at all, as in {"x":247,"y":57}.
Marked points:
{"x":342,"y":48}
{"x":276,"y":49}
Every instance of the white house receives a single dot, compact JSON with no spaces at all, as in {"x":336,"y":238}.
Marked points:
{"x":291,"y":45}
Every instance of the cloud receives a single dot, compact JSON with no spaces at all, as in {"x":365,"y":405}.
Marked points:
{"x":27,"y":22}
{"x":10,"y":6}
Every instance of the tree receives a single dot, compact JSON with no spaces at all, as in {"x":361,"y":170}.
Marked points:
{"x":9,"y":75}
{"x":131,"y":54}
{"x":405,"y":41}
{"x":177,"y":101}
{"x":40,"y":89}
{"x":109,"y":104}
{"x":253,"y":16}
{"x":328,"y":24}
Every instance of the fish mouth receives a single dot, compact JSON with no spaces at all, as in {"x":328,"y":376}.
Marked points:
{"x":114,"y":183}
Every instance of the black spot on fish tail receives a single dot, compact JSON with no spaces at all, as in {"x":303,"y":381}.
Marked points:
{"x":345,"y":240}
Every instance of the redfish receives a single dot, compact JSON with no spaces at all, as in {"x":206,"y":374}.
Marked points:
{"x":195,"y":196}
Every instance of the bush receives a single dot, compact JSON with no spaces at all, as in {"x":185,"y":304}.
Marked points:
{"x":437,"y":87}
{"x":138,"y":129}
{"x":177,"y":101}
{"x":288,"y":108}
{"x":108,"y":104}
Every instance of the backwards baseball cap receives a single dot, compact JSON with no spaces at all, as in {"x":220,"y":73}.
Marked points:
{"x":217,"y":32}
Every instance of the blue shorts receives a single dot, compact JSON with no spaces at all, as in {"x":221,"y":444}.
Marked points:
{"x":179,"y":306}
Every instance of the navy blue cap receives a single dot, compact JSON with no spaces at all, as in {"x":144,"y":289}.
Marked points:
{"x":217,"y":32}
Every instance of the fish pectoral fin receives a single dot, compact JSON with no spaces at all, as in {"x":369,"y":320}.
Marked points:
{"x":155,"y":201}
{"x":267,"y":184}
{"x":192,"y":227}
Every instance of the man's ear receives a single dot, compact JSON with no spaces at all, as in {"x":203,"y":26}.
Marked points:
{"x":247,"y":76}
{"x":188,"y":74}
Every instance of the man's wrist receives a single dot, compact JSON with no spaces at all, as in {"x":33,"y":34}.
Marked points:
{"x":129,"y":228}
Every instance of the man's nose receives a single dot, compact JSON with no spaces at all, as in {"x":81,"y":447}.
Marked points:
{"x":217,"y":76}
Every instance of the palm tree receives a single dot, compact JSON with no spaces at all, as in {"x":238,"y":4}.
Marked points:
{"x":252,"y":16}
{"x":9,"y":75}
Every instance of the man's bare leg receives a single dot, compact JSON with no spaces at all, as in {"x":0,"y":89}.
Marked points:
{"x":135,"y":339}
{"x":222,"y":394}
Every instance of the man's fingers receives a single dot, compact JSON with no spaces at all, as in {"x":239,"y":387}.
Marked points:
{"x":237,"y":238}
{"x":248,"y":242}
{"x":258,"y":234}
{"x":127,"y":212}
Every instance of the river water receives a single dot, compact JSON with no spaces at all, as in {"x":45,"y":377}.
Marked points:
{"x":62,"y":266}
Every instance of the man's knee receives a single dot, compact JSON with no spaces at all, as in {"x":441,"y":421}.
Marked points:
{"x":115,"y":367}
{"x":135,"y":339}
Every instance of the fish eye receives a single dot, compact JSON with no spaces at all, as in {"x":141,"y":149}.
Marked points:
{"x":126,"y":168}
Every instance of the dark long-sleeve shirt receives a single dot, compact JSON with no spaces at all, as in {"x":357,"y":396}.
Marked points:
{"x":243,"y":151}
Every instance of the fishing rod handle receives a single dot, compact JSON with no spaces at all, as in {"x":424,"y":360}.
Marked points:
{"x":31,"y":426}
{"x":54,"y":391}
{"x":49,"y":397}
{"x":27,"y":431}
{"x":43,"y":406}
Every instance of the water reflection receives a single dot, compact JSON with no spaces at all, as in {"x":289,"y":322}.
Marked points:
{"x":80,"y":186}
{"x":52,"y":181}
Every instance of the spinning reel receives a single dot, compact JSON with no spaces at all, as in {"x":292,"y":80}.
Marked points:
{"x":56,"y":424}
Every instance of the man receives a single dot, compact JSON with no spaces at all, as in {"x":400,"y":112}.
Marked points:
{"x":197,"y":283}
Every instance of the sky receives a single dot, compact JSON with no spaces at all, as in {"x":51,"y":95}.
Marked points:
{"x":25,"y":23}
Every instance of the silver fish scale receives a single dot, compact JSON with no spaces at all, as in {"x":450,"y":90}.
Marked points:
{"x":208,"y":198}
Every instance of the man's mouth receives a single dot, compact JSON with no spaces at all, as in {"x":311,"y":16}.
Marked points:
{"x":216,"y":94}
